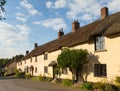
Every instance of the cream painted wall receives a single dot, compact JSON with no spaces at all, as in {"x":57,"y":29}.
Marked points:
{"x":111,"y":57}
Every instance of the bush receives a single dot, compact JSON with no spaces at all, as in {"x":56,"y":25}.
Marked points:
{"x":41,"y":78}
{"x":105,"y":86}
{"x":35,"y":78}
{"x":87,"y":86}
{"x":20,"y":74}
{"x":28,"y":76}
{"x":66,"y":82}
{"x":117,"y":80}
{"x":48,"y":79}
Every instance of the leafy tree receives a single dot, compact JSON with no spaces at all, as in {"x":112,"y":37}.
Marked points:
{"x":18,"y":57}
{"x":73,"y":59}
{"x":2,"y":9}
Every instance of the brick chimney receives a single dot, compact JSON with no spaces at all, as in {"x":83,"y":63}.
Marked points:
{"x":35,"y":45}
{"x":104,"y":12}
{"x":75,"y":25}
{"x":60,"y":33}
{"x":27,"y":52}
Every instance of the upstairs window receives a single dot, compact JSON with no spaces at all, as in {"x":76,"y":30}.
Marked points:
{"x":45,"y":56}
{"x":99,"y":43}
{"x":25,"y":61}
{"x":31,"y":59}
{"x":100,"y":70}
{"x":35,"y":58}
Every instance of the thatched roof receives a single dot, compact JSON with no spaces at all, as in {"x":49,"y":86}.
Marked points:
{"x":109,"y":25}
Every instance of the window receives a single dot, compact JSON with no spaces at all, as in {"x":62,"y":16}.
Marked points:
{"x":31,"y":59}
{"x":25,"y":61}
{"x":100,"y":70}
{"x":35,"y":69}
{"x":45,"y":69}
{"x":45,"y":56}
{"x":20,"y":63}
{"x":99,"y":43}
{"x":35,"y":58}
{"x":64,"y":71}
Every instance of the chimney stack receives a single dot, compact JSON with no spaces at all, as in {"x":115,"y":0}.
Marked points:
{"x":104,"y":12}
{"x":35,"y":45}
{"x":60,"y":33}
{"x":75,"y":25}
{"x":27,"y":52}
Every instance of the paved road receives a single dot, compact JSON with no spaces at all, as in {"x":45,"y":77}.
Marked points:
{"x":12,"y":84}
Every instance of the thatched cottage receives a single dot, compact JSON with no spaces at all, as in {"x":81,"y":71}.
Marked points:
{"x":101,"y":38}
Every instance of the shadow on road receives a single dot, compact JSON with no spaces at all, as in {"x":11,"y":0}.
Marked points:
{"x":8,"y":77}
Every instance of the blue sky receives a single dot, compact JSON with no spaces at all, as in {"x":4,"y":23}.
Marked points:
{"x":38,"y":21}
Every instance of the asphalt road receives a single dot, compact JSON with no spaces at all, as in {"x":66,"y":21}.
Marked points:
{"x":12,"y":84}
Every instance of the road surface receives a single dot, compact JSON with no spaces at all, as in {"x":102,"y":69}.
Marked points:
{"x":12,"y":84}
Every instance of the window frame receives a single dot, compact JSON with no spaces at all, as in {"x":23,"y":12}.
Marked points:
{"x":35,"y":58}
{"x":45,"y":56}
{"x":100,"y":70}
{"x":45,"y":69}
{"x":35,"y":69}
{"x":99,"y":42}
{"x":31,"y":60}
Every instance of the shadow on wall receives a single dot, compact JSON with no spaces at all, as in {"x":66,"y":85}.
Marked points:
{"x":93,"y":59}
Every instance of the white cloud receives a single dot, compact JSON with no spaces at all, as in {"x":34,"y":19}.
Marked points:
{"x":57,"y":4}
{"x":21,"y":17}
{"x":49,"y":4}
{"x":55,"y":23}
{"x":114,"y":5}
{"x":78,"y":8}
{"x":29,"y":7}
{"x":13,"y":39}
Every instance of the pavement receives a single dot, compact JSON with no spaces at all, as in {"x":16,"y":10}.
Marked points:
{"x":14,"y":84}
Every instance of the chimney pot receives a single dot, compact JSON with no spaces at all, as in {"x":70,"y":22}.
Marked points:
{"x":35,"y":45}
{"x":60,"y":33}
{"x":75,"y":25}
{"x":104,"y":12}
{"x":27,"y":52}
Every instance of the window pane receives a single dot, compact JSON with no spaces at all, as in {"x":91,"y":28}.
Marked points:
{"x":45,"y":56}
{"x":100,"y":70}
{"x":99,"y":43}
{"x":45,"y":69}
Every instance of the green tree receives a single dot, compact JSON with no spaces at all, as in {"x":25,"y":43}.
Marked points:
{"x":73,"y":59}
{"x":2,"y":9}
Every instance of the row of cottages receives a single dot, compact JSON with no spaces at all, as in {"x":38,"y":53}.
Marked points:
{"x":101,"y":38}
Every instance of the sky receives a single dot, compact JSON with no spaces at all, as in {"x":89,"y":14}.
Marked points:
{"x":38,"y":21}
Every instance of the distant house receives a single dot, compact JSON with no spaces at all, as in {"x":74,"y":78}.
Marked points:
{"x":101,"y":38}
{"x":10,"y":68}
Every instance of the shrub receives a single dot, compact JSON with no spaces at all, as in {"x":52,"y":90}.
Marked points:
{"x":66,"y":82}
{"x":87,"y":86}
{"x":35,"y":78}
{"x":20,"y":74}
{"x":58,"y":80}
{"x":105,"y":86}
{"x":48,"y":79}
{"x":117,"y":80}
{"x":5,"y":74}
{"x":41,"y":78}
{"x":28,"y":76}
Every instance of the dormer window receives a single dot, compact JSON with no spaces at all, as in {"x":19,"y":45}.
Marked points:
{"x":99,"y":43}
{"x":45,"y":56}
